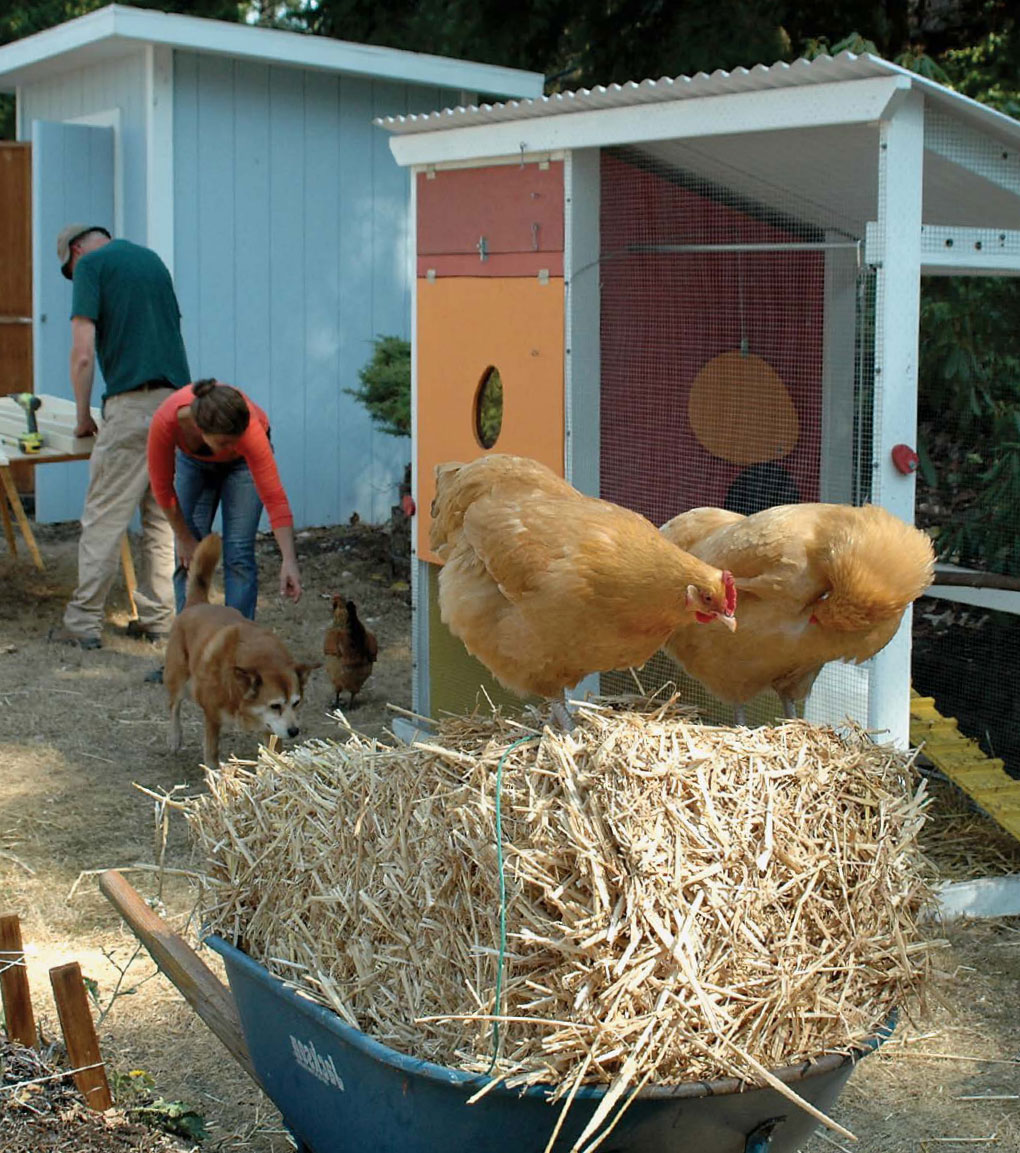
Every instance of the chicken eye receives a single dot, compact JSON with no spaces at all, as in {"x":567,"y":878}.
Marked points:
{"x":706,"y":598}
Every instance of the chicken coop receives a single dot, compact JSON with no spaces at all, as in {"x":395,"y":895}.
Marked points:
{"x":700,"y":291}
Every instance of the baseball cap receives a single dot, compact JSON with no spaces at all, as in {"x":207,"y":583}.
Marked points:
{"x":67,"y":236}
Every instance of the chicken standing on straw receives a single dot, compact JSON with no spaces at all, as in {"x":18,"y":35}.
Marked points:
{"x":545,"y":585}
{"x":818,"y":583}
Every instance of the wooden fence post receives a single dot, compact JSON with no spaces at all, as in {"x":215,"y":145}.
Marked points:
{"x":80,"y":1035}
{"x":17,"y":1000}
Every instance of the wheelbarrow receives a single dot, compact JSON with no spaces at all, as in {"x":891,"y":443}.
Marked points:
{"x":340,"y":1091}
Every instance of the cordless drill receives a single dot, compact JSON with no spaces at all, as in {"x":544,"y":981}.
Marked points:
{"x":32,"y":441}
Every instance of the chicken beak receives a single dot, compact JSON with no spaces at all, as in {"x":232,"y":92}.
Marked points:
{"x":729,"y":621}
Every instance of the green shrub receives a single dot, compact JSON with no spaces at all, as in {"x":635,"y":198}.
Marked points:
{"x":386,"y":385}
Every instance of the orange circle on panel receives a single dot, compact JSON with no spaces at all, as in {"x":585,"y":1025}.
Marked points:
{"x":741,"y":411}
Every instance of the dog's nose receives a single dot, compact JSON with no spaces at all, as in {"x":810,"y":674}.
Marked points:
{"x":293,"y":731}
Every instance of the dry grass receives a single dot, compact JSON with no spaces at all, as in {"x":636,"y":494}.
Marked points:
{"x":682,"y":901}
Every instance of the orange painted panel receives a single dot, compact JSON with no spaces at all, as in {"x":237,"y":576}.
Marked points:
{"x":515,"y":207}
{"x":464,"y":327}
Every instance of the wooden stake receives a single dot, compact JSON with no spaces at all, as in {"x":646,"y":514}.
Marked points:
{"x":17,"y":999}
{"x":80,"y":1035}
{"x":199,"y":985}
{"x":130,"y":580}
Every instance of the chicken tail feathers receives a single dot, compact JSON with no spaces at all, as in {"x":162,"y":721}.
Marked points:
{"x":875,"y":566}
{"x":359,"y":634}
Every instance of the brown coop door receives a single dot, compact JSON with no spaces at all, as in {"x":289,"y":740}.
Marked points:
{"x":16,"y":278}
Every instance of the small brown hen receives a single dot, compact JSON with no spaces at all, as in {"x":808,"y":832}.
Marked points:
{"x":350,"y":650}
{"x":817,"y":583}
{"x":545,"y":585}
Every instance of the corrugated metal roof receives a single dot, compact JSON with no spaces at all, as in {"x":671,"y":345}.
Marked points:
{"x":821,"y":70}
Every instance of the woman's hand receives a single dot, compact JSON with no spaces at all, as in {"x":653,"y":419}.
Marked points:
{"x":186,"y":546}
{"x":290,"y":581}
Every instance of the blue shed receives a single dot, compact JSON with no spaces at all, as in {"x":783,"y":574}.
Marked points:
{"x":248,"y":159}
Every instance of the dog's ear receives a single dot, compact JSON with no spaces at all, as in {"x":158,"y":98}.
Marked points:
{"x":303,"y":670}
{"x":250,"y":681}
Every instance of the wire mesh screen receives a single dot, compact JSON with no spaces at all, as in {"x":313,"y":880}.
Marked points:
{"x":737,"y":344}
{"x":966,"y":650}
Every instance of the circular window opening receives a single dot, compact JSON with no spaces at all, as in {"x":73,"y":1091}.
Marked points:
{"x":489,"y":407}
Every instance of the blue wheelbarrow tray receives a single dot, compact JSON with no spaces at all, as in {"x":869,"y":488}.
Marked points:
{"x":339,"y":1091}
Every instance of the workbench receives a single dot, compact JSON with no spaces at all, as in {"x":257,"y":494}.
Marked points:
{"x":56,"y":420}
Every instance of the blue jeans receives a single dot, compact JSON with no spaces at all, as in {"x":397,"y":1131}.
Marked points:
{"x":202,"y":487}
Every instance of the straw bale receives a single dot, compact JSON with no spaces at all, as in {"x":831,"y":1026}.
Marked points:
{"x":683,"y":901}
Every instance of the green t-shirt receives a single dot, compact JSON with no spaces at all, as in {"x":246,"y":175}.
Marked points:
{"x":127,"y":291}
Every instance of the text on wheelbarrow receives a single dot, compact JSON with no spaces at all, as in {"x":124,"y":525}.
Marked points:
{"x":319,"y":1066}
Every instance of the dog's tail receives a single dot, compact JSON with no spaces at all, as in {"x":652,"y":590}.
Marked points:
{"x":203,"y":565}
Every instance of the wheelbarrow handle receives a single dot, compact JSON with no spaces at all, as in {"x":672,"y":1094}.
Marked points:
{"x":176,"y":959}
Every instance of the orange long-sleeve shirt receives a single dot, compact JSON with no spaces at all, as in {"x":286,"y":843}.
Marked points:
{"x":165,"y":436}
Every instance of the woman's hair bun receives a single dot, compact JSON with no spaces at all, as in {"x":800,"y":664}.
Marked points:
{"x":203,"y":387}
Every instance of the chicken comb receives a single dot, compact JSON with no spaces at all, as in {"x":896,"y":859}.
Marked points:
{"x":730,"y":585}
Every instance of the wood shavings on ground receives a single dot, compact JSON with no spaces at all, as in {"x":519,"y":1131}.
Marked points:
{"x":683,"y":901}
{"x":961,"y":842}
{"x":41,"y":1109}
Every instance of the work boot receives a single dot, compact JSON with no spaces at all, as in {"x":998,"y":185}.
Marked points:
{"x":141,"y":632}
{"x":60,"y":635}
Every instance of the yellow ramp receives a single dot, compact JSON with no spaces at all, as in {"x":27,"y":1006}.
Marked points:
{"x":984,"y":779}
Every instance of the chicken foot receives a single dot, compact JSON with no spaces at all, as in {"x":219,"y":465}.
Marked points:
{"x":560,"y":710}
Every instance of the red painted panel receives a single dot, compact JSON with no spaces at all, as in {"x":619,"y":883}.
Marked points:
{"x":665,"y":316}
{"x":516,"y":208}
{"x":500,"y":265}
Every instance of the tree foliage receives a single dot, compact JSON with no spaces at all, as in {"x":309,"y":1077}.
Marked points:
{"x":385,"y":388}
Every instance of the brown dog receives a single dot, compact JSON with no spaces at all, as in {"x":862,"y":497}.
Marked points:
{"x":236,"y":670}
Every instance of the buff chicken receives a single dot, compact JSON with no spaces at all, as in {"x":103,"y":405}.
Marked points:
{"x":545,"y":585}
{"x":817,"y":583}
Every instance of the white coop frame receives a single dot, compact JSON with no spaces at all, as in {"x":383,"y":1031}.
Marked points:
{"x":918,"y":179}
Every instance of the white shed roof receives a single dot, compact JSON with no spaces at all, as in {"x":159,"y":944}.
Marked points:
{"x":761,"y":78}
{"x":115,"y":30}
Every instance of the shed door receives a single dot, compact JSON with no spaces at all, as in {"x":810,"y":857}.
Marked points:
{"x":16,"y":279}
{"x":72,"y":180}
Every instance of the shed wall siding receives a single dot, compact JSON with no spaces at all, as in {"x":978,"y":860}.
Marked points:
{"x":81,"y":92}
{"x":291,"y":254}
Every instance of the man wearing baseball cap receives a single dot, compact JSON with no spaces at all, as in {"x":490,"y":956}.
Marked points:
{"x":124,"y":313}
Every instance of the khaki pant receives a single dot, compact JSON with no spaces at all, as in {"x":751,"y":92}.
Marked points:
{"x":118,"y":484}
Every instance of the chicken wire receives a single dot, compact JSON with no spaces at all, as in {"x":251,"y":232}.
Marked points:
{"x":966,"y":641}
{"x":737,"y":365}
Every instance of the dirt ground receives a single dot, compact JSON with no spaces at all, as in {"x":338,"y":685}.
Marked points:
{"x":79,"y":730}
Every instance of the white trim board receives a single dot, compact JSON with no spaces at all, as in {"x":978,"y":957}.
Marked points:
{"x":159,"y":152}
{"x":847,"y":102}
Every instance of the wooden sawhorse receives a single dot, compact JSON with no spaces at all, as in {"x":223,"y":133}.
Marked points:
{"x":10,"y":504}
